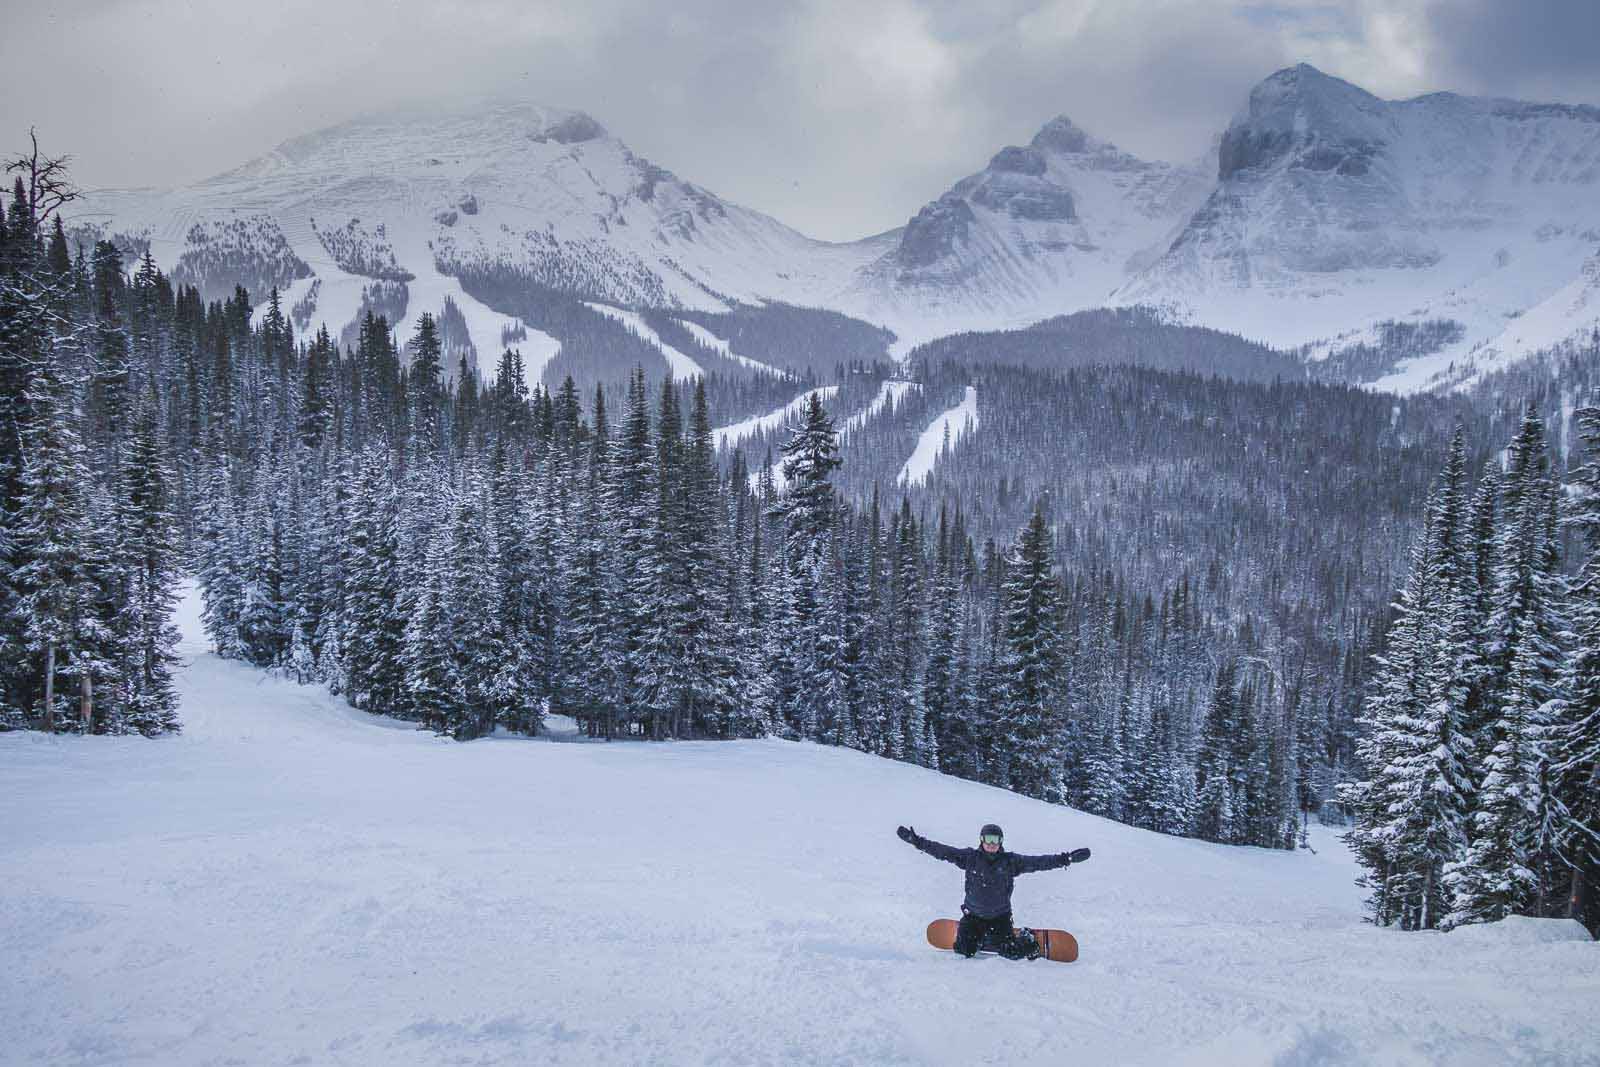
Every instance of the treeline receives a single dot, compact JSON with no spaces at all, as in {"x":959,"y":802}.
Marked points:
{"x":1146,"y":594}
{"x":1481,"y":793}
{"x":472,"y":556}
{"x":88,"y":557}
{"x":1135,"y":337}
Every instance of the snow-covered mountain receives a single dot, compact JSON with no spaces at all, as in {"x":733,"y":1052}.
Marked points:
{"x":1330,"y":216}
{"x":1045,"y":228}
{"x":1335,"y":211}
{"x":385,"y":211}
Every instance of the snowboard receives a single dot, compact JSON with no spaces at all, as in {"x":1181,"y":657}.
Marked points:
{"x":1055,"y":945}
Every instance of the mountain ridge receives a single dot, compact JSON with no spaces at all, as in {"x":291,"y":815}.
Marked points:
{"x":1327,"y":212}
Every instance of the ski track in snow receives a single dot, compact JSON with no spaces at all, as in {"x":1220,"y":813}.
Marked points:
{"x":682,"y":365}
{"x":339,"y":293}
{"x":712,"y":341}
{"x":891,"y":389}
{"x":727,"y":436}
{"x":294,"y":881}
{"x":958,"y":422}
{"x":538,"y":349}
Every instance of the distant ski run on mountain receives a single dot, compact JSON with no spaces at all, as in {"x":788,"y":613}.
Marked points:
{"x":682,"y":366}
{"x":728,"y":436}
{"x":956,"y":423}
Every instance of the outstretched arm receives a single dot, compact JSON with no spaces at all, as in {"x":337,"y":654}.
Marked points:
{"x":948,"y":853}
{"x":1027,"y":864}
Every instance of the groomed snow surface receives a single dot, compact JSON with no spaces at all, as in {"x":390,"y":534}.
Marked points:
{"x":291,"y":881}
{"x":951,"y":425}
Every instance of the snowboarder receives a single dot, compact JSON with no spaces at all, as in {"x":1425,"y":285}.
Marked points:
{"x":991,"y":872}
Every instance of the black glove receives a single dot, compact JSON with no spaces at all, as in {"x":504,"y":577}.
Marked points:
{"x":1078,"y":855}
{"x":906,"y":833}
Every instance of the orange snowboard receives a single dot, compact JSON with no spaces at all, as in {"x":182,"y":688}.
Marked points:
{"x":1056,"y":945}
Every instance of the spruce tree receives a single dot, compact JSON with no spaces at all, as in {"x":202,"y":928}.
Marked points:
{"x":152,"y":701}
{"x":51,"y":537}
{"x":1575,"y":733}
{"x":1030,"y":723}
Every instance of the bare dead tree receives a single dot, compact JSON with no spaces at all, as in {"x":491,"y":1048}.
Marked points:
{"x":45,"y":180}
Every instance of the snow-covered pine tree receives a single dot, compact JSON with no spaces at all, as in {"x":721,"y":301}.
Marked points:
{"x":374,"y":626}
{"x":488,"y":692}
{"x":709,"y":667}
{"x":425,"y":388}
{"x":661,"y":684}
{"x":940,"y":636}
{"x":518,"y":691}
{"x":317,"y":390}
{"x":1399,"y":694}
{"x":633,"y":506}
{"x":431,"y":654}
{"x":590,"y":689}
{"x":1216,"y":812}
{"x":809,"y":509}
{"x":25,"y":348}
{"x":220,"y":563}
{"x":152,"y":640}
{"x":907,"y":629}
{"x":1505,"y":869}
{"x":108,"y":402}
{"x":1575,"y":734}
{"x":267,"y":615}
{"x":1431,"y":786}
{"x":50,"y":538}
{"x":1029,"y":722}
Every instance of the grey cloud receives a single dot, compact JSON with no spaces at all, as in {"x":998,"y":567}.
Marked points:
{"x":839,"y":118}
{"x":1549,"y":48}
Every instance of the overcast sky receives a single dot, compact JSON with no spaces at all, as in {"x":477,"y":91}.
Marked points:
{"x":840,"y":117}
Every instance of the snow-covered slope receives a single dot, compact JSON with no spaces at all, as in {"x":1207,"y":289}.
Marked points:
{"x":1335,"y":210}
{"x":1326,"y":213}
{"x":292,"y":881}
{"x":682,"y":365}
{"x":415,"y":196}
{"x":789,"y":414}
{"x":1048,"y":227}
{"x":946,"y":431}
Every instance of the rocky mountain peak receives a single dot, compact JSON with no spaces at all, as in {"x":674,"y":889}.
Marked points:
{"x":1062,"y":135}
{"x":1328,"y":123}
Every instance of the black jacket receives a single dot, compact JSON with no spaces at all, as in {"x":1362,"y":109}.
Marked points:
{"x":989,"y":876}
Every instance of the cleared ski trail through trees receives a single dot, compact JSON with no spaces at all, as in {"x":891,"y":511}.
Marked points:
{"x":292,"y":881}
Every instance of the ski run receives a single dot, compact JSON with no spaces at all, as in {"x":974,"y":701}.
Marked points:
{"x":291,"y":881}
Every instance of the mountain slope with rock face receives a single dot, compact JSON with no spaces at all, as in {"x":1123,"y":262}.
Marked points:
{"x":1051,"y":226}
{"x":394,"y":207}
{"x":1335,"y":211}
{"x":1332,"y":220}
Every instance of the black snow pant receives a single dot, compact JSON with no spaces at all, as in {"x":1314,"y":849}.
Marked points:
{"x":976,"y":932}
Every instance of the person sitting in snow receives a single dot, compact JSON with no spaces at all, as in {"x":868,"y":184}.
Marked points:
{"x":991,"y":872}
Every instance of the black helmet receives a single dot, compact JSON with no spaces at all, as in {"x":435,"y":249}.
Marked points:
{"x":990,"y":829}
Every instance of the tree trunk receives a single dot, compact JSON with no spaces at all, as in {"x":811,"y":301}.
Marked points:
{"x":50,"y":688}
{"x":86,"y":706}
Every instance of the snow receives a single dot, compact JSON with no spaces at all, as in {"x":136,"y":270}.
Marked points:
{"x":537,"y":349}
{"x":682,"y":366}
{"x":893,"y":389}
{"x":1475,"y":210}
{"x":728,"y":436}
{"x":293,"y":881}
{"x":956,"y":423}
{"x":712,"y":341}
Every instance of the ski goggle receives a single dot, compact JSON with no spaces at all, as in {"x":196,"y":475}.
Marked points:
{"x":989,"y":839}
